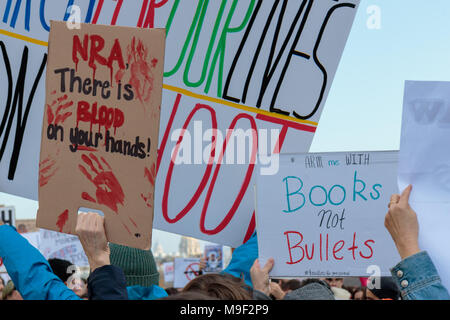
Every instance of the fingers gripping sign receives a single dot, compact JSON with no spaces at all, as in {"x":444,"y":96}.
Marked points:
{"x":260,"y":276}
{"x":91,"y":232}
{"x":401,"y":222}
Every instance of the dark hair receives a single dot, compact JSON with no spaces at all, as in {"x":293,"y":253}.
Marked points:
{"x":220,"y":286}
{"x":171,"y":291}
{"x":356,"y":290}
{"x":388,"y":289}
{"x":2,"y":280}
{"x":292,"y":284}
{"x":190,"y":295}
{"x":60,"y":268}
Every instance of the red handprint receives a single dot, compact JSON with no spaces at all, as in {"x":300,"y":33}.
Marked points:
{"x":150,"y":175}
{"x":141,"y":74}
{"x":109,"y":191}
{"x":59,"y":116}
{"x":47,"y":169}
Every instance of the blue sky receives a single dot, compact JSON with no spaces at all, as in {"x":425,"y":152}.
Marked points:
{"x":363,"y":110}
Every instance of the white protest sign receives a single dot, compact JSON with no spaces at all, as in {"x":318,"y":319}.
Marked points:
{"x":261,"y":69}
{"x":8,"y":215}
{"x":168,"y":271}
{"x":185,"y":269}
{"x":213,"y":258}
{"x":5,"y":276}
{"x":33,"y":238}
{"x":62,"y":246}
{"x":322,"y":215}
{"x":424,"y":163}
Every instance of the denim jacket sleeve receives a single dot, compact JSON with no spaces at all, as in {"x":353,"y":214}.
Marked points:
{"x":29,"y":270}
{"x":417,"y":278}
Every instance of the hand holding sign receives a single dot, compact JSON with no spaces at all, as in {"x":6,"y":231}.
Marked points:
{"x":260,"y":276}
{"x":91,"y":232}
{"x":401,"y":222}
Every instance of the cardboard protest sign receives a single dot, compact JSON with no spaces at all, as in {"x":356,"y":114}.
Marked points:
{"x":168,"y":271}
{"x":8,"y":215}
{"x":322,"y":214}
{"x":238,"y":65}
{"x":214,"y":258}
{"x":423,"y":162}
{"x":185,"y":269}
{"x":62,"y":246}
{"x":100,"y":132}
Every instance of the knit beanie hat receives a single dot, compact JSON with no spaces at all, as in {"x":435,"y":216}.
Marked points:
{"x":138,"y":265}
{"x":318,"y":290}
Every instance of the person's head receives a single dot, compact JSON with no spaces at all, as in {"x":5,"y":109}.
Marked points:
{"x":138,"y":265}
{"x":358,"y":294}
{"x":335,"y":282}
{"x":171,"y":291}
{"x":10,"y":293}
{"x":290,"y":285}
{"x":78,"y":285}
{"x":220,"y":286}
{"x":63,"y":269}
{"x":21,"y":228}
{"x":190,"y":295}
{"x":385,"y":289}
{"x":311,"y":289}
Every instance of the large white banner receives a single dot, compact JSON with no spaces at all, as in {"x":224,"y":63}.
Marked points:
{"x":424,"y":163}
{"x":253,"y":71}
{"x":322,"y":214}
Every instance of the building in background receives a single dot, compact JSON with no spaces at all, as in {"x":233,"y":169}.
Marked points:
{"x":190,"y":247}
{"x":26,"y":225}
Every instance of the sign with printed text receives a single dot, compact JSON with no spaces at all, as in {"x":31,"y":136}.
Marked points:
{"x":323,"y":215}
{"x":245,"y":75}
{"x":8,"y":215}
{"x":185,"y":270}
{"x":213,"y":258}
{"x":100,"y":131}
{"x":62,"y":246}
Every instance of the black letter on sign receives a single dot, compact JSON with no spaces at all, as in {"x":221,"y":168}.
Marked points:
{"x":17,"y":103}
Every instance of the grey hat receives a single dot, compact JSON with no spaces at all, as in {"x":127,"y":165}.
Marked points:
{"x":312,"y":291}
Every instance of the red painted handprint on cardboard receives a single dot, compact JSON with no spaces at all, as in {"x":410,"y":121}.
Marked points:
{"x":108,"y":192}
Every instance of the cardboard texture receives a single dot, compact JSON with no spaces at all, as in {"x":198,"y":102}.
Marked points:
{"x":100,"y":129}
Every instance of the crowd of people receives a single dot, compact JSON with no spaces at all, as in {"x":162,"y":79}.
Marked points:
{"x":124,"y":273}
